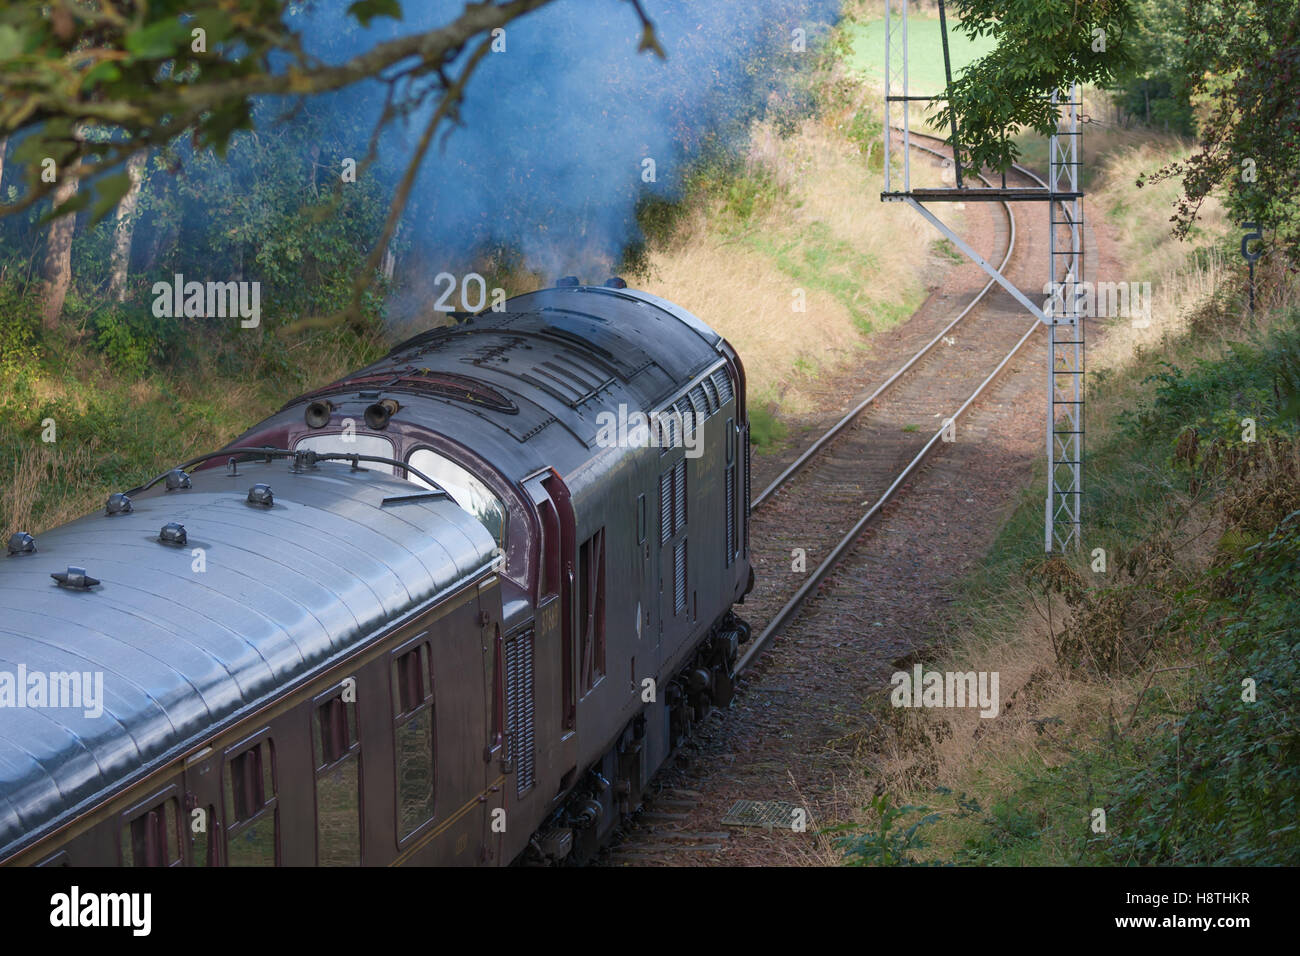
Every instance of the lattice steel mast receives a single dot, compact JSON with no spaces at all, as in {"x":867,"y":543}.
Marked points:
{"x":1065,"y":430}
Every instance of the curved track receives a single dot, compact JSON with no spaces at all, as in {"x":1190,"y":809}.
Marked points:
{"x":816,"y":504}
{"x":915,"y":396}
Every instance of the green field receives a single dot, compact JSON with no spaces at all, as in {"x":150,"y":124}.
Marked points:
{"x":925,"y":52}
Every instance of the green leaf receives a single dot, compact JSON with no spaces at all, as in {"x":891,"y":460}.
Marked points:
{"x":106,"y":72}
{"x":11,"y":42}
{"x":158,"y":41}
{"x":69,"y":208}
{"x":367,"y":10}
{"x":108,"y":192}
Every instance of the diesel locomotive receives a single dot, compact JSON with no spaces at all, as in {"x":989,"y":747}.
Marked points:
{"x":438,"y":612}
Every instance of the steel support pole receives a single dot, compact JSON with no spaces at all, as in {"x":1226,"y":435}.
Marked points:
{"x":1065,"y":391}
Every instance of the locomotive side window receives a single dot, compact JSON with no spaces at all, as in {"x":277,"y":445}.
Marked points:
{"x":413,"y":738}
{"x":470,"y":493}
{"x":152,"y":838}
{"x":252,"y":808}
{"x":589,"y":599}
{"x":338,"y":782}
{"x":672,"y":527}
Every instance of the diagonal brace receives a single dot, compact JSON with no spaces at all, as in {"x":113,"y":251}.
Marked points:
{"x":979,"y":260}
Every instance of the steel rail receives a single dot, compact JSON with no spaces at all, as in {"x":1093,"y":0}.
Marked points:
{"x":819,"y":574}
{"x":782,"y":617}
{"x":798,"y":464}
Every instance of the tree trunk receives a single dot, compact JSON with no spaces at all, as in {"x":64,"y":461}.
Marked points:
{"x":56,"y":271}
{"x":120,"y":262}
{"x":4,"y":145}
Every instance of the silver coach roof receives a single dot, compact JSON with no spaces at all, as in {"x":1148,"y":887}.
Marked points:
{"x":286,"y":590}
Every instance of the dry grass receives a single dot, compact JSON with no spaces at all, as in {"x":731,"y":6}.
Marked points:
{"x":41,"y":468}
{"x":1053,"y":703}
{"x":732,"y":279}
{"x":1052,"y":707}
{"x":1184,"y":275}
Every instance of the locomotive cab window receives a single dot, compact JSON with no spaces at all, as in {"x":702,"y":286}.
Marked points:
{"x":469,"y":492}
{"x":352,"y":444}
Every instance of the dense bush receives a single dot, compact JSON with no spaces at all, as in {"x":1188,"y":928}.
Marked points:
{"x":1260,"y":380}
{"x":132,"y":338}
{"x":20,"y":323}
{"x":1220,"y":784}
{"x":1217,"y":782}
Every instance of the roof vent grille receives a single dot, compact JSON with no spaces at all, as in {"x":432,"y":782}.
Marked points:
{"x":177,"y":479}
{"x":173,"y":533}
{"x":261,"y":495}
{"x":75,"y":579}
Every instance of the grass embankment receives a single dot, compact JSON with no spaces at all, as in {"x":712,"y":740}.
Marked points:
{"x":96,"y":407}
{"x":796,"y":223}
{"x":1148,"y":684}
{"x":925,"y":70}
{"x":790,"y":253}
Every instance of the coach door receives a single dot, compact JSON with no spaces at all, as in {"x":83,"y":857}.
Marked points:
{"x":462,"y":645}
{"x":202,"y":817}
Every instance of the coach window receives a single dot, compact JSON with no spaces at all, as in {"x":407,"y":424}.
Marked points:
{"x":203,"y":841}
{"x":152,"y":838}
{"x":252,"y":809}
{"x":469,"y":492}
{"x":413,"y":736}
{"x":338,"y":781}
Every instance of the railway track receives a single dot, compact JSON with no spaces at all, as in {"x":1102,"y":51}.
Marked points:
{"x":810,"y":516}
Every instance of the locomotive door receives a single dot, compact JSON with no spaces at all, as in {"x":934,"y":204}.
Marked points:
{"x":556,"y":578}
{"x":647,"y":605}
